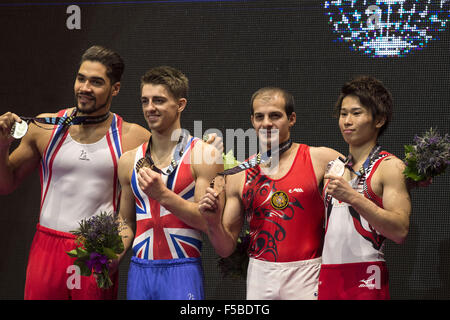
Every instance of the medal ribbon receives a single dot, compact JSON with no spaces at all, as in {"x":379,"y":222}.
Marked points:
{"x":177,"y":154}
{"x":255,"y":160}
{"x":361,"y":172}
{"x":258,"y":159}
{"x":69,"y":120}
{"x":63,"y":121}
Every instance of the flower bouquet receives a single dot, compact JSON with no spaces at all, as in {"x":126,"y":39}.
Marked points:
{"x":235,"y":266}
{"x":99,"y":242}
{"x":427,"y":157}
{"x":229,"y":161}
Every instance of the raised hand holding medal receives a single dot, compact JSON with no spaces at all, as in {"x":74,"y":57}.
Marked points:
{"x":337,"y":185}
{"x":11,"y":126}
{"x":20,"y":128}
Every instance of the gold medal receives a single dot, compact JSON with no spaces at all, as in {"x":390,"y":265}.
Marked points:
{"x":279,"y":200}
{"x":19,"y":129}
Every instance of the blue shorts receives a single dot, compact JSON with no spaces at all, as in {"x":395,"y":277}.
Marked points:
{"x":172,"y":279}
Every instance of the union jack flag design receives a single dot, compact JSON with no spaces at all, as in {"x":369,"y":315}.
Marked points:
{"x":159,"y":233}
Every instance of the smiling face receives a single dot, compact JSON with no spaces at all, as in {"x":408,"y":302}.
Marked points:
{"x":93,"y":89}
{"x":269,"y":117}
{"x":161,"y":110}
{"x":356,"y":122}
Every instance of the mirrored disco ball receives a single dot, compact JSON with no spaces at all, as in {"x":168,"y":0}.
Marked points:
{"x":387,"y":28}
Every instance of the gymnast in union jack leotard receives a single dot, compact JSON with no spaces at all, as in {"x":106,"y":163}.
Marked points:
{"x":158,"y":205}
{"x":162,"y":241}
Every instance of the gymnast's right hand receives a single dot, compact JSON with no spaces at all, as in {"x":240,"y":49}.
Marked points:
{"x":7,"y":120}
{"x":209,"y":207}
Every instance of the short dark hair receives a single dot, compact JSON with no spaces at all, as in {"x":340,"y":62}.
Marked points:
{"x":174,"y":80}
{"x":372,"y":94}
{"x":289,"y":102}
{"x":110,"y":59}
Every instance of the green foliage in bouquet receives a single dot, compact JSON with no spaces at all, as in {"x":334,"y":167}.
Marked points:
{"x":229,"y":161}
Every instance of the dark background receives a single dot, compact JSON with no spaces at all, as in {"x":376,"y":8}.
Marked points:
{"x":228,"y":49}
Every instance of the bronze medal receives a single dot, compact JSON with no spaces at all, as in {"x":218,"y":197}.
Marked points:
{"x":142,"y":163}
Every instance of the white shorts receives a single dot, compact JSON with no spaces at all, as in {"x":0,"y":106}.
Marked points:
{"x":296,"y":280}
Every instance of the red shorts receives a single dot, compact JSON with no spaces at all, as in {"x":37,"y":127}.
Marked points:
{"x":354,"y":281}
{"x":50,"y":275}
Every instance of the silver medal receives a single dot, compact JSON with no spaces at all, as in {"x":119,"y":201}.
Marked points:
{"x":337,"y":168}
{"x":19,"y":129}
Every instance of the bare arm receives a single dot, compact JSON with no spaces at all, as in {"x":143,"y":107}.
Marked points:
{"x":127,"y":212}
{"x":133,"y":135}
{"x":23,"y":160}
{"x":224,"y":220}
{"x":392,"y":221}
{"x":204,"y":169}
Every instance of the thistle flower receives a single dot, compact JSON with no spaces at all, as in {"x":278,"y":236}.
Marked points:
{"x":428,"y":156}
{"x":99,"y":241}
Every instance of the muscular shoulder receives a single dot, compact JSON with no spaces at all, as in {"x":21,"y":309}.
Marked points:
{"x":125,"y":166}
{"x":322,"y":155}
{"x":133,"y":135}
{"x":389,"y":174}
{"x":38,"y":135}
{"x":47,"y":115}
{"x":390,"y":167}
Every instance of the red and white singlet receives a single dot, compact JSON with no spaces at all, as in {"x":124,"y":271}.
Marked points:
{"x":353,"y":265}
{"x":78,"y":181}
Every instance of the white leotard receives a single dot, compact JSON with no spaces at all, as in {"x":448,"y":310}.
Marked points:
{"x":79,"y":180}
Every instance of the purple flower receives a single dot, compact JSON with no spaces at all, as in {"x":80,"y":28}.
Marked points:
{"x":428,"y":156}
{"x":96,"y":262}
{"x":434,"y":140}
